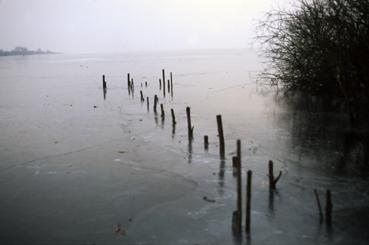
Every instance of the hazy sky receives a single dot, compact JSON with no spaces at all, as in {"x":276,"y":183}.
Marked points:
{"x":75,"y":26}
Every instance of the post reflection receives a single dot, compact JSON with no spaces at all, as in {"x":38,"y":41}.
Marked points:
{"x":104,"y":93}
{"x":190,"y":141}
{"x":173,"y":130}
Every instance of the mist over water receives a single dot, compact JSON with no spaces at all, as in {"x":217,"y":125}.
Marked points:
{"x":100,"y":26}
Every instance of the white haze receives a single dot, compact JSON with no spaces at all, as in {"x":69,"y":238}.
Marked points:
{"x":80,"y":26}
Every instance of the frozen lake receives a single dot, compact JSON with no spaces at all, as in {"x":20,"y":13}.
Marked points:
{"x":76,"y":168}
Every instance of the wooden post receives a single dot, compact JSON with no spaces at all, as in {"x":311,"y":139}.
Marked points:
{"x":206,"y":140}
{"x":171,"y":84}
{"x":271,"y":175}
{"x":319,"y":206}
{"x":189,"y":125}
{"x":104,"y":82}
{"x":239,"y":194}
{"x":142,"y":97}
{"x":159,"y":84}
{"x":163,"y":73}
{"x":173,"y":117}
{"x":145,"y":83}
{"x":237,"y":215}
{"x":328,"y":208}
{"x":248,"y":201}
{"x":168,"y":86}
{"x":239,"y":150}
{"x":148,"y":103}
{"x":273,"y":181}
{"x":221,"y":136}
{"x":155,"y":103}
{"x":162,"y":111}
{"x":128,"y":82}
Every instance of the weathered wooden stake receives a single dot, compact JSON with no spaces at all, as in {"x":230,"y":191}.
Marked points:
{"x":271,"y":174}
{"x":239,"y":150}
{"x":171,"y":84}
{"x":104,"y":82}
{"x":155,"y":103}
{"x":159,"y":84}
{"x":273,"y":181}
{"x":248,"y":201}
{"x":142,"y":97}
{"x":163,"y":73}
{"x":168,"y":86}
{"x":319,"y":206}
{"x":128,"y":82}
{"x":148,"y":103}
{"x":145,"y":83}
{"x":239,"y":193}
{"x":173,"y":117}
{"x":221,"y":136}
{"x":189,"y":125}
{"x":206,"y":140}
{"x":328,"y":208}
{"x":237,"y":214}
{"x":162,"y":111}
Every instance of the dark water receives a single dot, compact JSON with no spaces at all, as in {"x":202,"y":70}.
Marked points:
{"x":76,"y":168}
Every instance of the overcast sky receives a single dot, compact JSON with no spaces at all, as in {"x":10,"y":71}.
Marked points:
{"x":80,"y":26}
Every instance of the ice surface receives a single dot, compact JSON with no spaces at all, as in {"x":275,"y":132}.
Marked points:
{"x":76,"y":168}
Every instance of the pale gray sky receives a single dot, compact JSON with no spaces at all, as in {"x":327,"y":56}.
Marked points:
{"x":80,"y":26}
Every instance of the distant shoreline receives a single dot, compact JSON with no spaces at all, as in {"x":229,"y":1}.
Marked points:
{"x":22,"y":51}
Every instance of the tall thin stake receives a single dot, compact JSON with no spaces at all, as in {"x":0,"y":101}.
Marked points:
{"x":155,"y":103}
{"x":239,"y":150}
{"x":128,"y":82}
{"x":163,"y":73}
{"x":142,"y":97}
{"x":173,"y":117}
{"x":273,"y":181}
{"x":189,"y":125}
{"x":221,"y":136}
{"x":171,"y":84}
{"x":239,"y":194}
{"x":104,"y":82}
{"x":162,"y":111}
{"x":206,"y":140}
{"x":271,"y":175}
{"x":248,"y":201}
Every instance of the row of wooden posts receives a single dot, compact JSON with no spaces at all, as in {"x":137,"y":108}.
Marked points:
{"x":236,"y":160}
